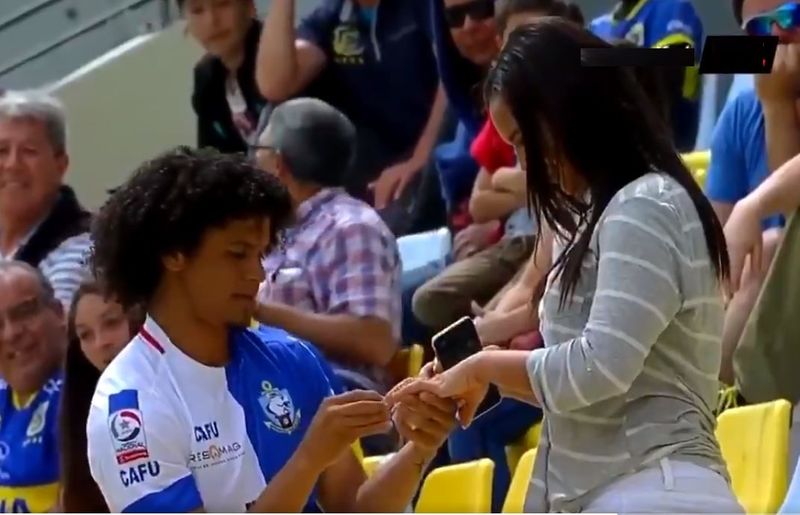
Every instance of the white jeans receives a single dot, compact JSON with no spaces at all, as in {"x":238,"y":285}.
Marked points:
{"x":669,"y":486}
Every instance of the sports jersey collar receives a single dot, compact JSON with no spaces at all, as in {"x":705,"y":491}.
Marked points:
{"x":154,"y":336}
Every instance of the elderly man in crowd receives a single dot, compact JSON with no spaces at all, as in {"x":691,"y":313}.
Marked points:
{"x":41,"y":221}
{"x":32,"y":347}
{"x":335,"y":281}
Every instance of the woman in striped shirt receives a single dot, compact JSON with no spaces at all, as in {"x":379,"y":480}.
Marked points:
{"x":632,"y":309}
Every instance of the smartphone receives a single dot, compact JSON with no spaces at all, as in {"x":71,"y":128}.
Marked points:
{"x":455,"y":344}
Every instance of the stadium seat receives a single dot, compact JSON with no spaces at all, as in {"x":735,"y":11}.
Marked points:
{"x":372,"y":463}
{"x":698,"y":163}
{"x":515,"y":498}
{"x":416,"y":353}
{"x":755,"y":444}
{"x":529,"y":441}
{"x":358,"y":451}
{"x":461,"y":488}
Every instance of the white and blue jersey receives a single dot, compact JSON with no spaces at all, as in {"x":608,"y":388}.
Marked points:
{"x":169,"y":434}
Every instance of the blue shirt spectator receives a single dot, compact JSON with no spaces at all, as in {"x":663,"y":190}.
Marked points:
{"x":658,"y":23}
{"x":370,"y":51}
{"x":460,"y":78}
{"x":739,"y":153}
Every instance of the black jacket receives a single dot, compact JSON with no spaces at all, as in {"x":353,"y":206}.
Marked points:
{"x":215,"y":126}
{"x":67,"y":219}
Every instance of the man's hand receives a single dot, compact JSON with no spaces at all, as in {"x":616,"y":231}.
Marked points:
{"x":473,"y":239}
{"x":783,"y":83}
{"x":425,"y":420}
{"x":744,"y":236}
{"x":459,"y":384}
{"x":393,"y":181}
{"x":340,"y":421}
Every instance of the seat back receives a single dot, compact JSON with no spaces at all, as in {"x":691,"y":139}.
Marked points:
{"x":461,"y":488}
{"x":515,"y":498}
{"x":755,"y":444}
{"x":529,"y":441}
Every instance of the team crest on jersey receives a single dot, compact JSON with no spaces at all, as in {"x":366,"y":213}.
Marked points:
{"x":636,"y":34}
{"x":36,"y":425}
{"x":347,"y":45}
{"x":126,"y":426}
{"x":282,"y":416}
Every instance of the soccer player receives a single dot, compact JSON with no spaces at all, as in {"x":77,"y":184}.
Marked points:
{"x":200,"y":413}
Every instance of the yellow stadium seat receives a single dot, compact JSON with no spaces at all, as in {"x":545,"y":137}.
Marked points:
{"x":755,"y":444}
{"x":697,"y":160}
{"x":700,"y":177}
{"x":515,"y":498}
{"x":358,"y":451}
{"x":462,"y":488}
{"x":416,"y":353}
{"x":371,"y":464}
{"x":698,"y":163}
{"x":515,"y":451}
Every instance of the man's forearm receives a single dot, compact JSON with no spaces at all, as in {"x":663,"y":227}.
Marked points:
{"x":394,"y":484}
{"x":780,"y":192}
{"x":288,"y":491}
{"x":365,"y":340}
{"x":782,"y":132}
{"x":277,"y":67}
{"x":485,"y":206}
{"x":430,"y":133}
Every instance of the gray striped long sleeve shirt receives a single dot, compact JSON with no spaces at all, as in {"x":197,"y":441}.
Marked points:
{"x":628,"y":374}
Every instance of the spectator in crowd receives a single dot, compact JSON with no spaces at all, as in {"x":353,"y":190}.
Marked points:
{"x":377,"y":65}
{"x":41,"y":221}
{"x":466,"y":39}
{"x":32,"y":347}
{"x":97,"y":328}
{"x":662,"y":23}
{"x":225,"y":97}
{"x":755,"y":134}
{"x":200,"y":413}
{"x":335,"y":281}
{"x":498,"y":193}
{"x":633,"y":299}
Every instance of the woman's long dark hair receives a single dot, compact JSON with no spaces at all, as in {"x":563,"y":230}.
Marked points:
{"x":79,"y":491}
{"x":597,"y":121}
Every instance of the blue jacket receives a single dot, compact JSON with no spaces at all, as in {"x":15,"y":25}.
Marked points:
{"x":460,"y":79}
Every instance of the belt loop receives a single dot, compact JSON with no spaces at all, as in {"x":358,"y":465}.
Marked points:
{"x":666,"y":472}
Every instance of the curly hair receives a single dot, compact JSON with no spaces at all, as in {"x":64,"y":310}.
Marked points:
{"x":167,"y":205}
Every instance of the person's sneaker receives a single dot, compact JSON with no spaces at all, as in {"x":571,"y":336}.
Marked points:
{"x":729,"y":397}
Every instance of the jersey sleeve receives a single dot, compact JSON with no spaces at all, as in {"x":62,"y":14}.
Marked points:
{"x":138,"y":455}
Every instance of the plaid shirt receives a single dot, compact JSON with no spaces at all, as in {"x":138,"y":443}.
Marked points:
{"x":339,"y":258}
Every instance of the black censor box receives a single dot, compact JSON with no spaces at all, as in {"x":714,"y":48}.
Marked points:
{"x":721,"y":54}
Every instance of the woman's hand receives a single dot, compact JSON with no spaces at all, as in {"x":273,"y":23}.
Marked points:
{"x":744,"y":236}
{"x":493,"y":328}
{"x":460,"y":383}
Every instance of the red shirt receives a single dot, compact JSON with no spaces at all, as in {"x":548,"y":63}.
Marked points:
{"x":490,"y":150}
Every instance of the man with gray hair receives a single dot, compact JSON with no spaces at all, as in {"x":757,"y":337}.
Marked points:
{"x":41,"y":221}
{"x":336,"y":279}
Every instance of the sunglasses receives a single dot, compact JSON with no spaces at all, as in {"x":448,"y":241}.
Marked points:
{"x":477,"y":10}
{"x":787,"y":17}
